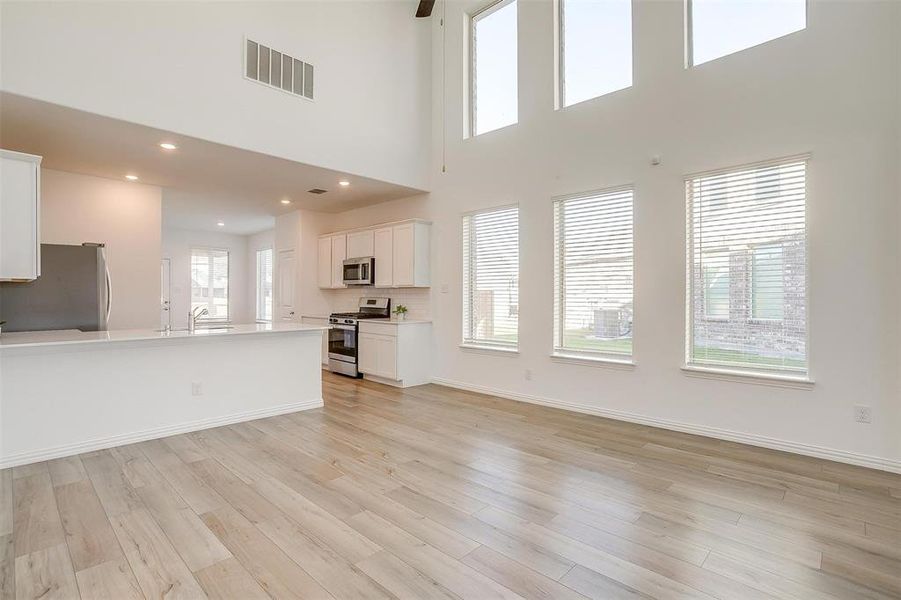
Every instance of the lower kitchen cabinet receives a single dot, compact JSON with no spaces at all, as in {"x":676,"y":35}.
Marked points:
{"x":378,"y":355}
{"x":396,"y":353}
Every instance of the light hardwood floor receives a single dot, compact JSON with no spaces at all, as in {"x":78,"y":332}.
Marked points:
{"x":431,"y":492}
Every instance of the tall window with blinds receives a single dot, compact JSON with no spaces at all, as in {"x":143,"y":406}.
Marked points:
{"x":491,"y":278}
{"x":209,"y":282}
{"x":747,"y":268}
{"x":264,"y":285}
{"x":593,"y":274}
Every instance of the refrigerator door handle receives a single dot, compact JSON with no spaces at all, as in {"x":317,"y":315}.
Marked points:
{"x":109,"y":288}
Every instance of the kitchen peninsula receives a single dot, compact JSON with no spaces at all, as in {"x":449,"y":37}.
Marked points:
{"x":66,"y":392}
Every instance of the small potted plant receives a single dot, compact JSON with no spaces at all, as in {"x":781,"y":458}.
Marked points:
{"x":401,"y":312}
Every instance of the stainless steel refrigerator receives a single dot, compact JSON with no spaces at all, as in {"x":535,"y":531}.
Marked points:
{"x":73,"y":292}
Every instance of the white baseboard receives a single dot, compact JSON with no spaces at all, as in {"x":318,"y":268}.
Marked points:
{"x":843,"y":456}
{"x":34,"y":456}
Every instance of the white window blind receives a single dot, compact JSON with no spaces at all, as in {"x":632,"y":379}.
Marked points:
{"x":491,"y":278}
{"x":747,"y":267}
{"x":264,"y":284}
{"x":494,"y":96}
{"x":595,"y":48}
{"x":593,"y":276}
{"x":209,"y":282}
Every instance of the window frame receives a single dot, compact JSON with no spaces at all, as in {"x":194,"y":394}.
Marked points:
{"x":468,"y":341}
{"x":560,"y":63}
{"x":473,"y":19}
{"x":558,"y":350}
{"x":261,"y":318}
{"x":228,"y":275}
{"x":803,"y":378}
{"x":688,"y":32}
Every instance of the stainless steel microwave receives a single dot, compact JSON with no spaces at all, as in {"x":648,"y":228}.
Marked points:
{"x":359,"y":271}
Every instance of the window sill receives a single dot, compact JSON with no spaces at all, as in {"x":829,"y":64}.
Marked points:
{"x":799,"y":382}
{"x":593,"y":361}
{"x":479,"y":349}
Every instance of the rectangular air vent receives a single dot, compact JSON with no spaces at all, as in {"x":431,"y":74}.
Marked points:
{"x":317,"y":191}
{"x":278,"y":70}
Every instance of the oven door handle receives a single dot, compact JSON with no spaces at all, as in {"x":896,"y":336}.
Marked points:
{"x":344,"y":327}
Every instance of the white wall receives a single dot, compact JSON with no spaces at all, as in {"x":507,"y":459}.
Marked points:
{"x":831,"y":90}
{"x":124,"y":216}
{"x":176,"y":246}
{"x":178,"y":66}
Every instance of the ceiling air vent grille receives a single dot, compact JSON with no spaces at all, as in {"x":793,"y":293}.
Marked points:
{"x":317,"y":191}
{"x":277,"y":69}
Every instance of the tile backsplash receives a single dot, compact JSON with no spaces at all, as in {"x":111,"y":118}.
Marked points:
{"x":417,"y":300}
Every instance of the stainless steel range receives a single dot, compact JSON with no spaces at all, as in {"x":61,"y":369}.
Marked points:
{"x":344,"y":333}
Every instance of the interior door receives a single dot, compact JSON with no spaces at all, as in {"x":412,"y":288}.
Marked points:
{"x":165,"y":291}
{"x":287,"y":275}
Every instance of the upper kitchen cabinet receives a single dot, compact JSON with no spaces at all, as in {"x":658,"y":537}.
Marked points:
{"x":383,"y":252}
{"x":339,"y":253}
{"x":359,"y":244}
{"x":332,"y":252}
{"x":401,"y":252}
{"x":410,"y":263}
{"x":20,"y":211}
{"x":325,"y":262}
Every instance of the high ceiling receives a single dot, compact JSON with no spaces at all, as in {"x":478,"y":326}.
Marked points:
{"x":204,"y":183}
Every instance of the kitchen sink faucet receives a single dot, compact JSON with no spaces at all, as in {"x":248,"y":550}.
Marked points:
{"x":194,"y":315}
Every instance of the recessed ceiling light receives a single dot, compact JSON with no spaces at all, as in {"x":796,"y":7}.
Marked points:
{"x":168,"y":146}
{"x":344,"y":183}
{"x":286,"y":201}
{"x":220,"y":224}
{"x":131,"y":177}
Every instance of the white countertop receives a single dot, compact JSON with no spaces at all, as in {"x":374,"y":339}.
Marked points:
{"x":397,"y":321}
{"x":391,"y":321}
{"x":27,"y":339}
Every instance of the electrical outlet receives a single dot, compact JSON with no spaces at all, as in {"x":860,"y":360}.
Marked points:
{"x":445,"y":288}
{"x":863,"y":414}
{"x":528,"y":374}
{"x":196,"y":388}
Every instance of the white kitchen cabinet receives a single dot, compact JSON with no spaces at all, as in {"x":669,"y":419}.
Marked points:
{"x":383,"y":252}
{"x":378,"y":355}
{"x":324,"y":272}
{"x":401,"y":252}
{"x":332,"y":252}
{"x":20,"y":216}
{"x":339,"y":253}
{"x":359,"y":244}
{"x":395,"y":352}
{"x":319,"y":322}
{"x":410,"y":263}
{"x":287,"y":275}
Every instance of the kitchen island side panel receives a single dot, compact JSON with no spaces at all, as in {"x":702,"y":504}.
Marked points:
{"x":66,"y":399}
